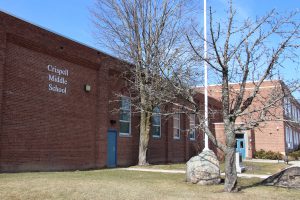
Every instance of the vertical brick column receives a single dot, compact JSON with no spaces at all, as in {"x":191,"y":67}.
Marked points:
{"x":102,"y":116}
{"x":2,"y":62}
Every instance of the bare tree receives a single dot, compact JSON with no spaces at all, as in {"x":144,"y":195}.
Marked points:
{"x":248,"y":53}
{"x":149,"y":35}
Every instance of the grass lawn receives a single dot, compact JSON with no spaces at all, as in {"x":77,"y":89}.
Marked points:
{"x":121,"y":184}
{"x":264,"y":168}
{"x":251,"y":167}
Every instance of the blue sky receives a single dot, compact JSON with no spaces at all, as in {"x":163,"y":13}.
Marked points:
{"x":72,"y":19}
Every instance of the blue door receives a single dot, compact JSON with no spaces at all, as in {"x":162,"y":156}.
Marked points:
{"x":240,"y":147}
{"x":112,"y":148}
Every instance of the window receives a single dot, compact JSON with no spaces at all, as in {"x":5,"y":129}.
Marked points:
{"x":290,"y":108}
{"x":125,"y":116}
{"x":287,"y":135}
{"x":192,"y":132}
{"x":156,"y":123}
{"x":242,"y":144}
{"x":176,"y":126}
{"x":291,"y":138}
{"x":286,"y":106}
{"x":294,"y":112}
{"x":294,"y":137}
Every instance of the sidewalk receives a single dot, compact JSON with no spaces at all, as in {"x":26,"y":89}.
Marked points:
{"x":243,"y":175}
{"x":262,"y":176}
{"x":292,"y":163}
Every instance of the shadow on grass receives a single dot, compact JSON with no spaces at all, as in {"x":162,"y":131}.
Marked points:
{"x":252,"y":185}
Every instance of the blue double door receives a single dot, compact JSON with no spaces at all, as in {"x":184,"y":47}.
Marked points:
{"x":111,"y":148}
{"x":240,"y":145}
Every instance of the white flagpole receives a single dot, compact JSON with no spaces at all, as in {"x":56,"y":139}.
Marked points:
{"x":205,"y":79}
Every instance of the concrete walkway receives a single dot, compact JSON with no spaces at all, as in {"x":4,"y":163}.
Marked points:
{"x":154,"y":170}
{"x":295,"y":163}
{"x":292,"y":163}
{"x":263,"y":176}
{"x":243,"y":175}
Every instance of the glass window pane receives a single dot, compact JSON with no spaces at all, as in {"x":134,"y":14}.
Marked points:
{"x":176,"y":126}
{"x":176,"y":133}
{"x":156,"y":131}
{"x":156,"y":110}
{"x":124,"y":127}
{"x":156,"y":120}
{"x":125,"y":103}
{"x":124,"y":115}
{"x":192,"y":134}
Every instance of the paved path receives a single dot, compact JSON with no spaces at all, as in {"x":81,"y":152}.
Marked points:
{"x":292,"y":163}
{"x":295,"y":163}
{"x":155,"y":170}
{"x":243,"y":175}
{"x":263,"y":176}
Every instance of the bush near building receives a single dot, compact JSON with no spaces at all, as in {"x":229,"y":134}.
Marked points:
{"x":262,"y":154}
{"x":295,"y":154}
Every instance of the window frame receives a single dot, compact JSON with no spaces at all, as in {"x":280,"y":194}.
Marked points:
{"x":192,"y":130}
{"x":122,"y":109}
{"x":156,"y":114}
{"x":176,"y":128}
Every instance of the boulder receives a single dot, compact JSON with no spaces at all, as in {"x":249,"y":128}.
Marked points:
{"x":289,"y":178}
{"x":203,"y":169}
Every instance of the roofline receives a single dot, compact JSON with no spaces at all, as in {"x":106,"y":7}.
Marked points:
{"x":61,"y":35}
{"x":198,"y":86}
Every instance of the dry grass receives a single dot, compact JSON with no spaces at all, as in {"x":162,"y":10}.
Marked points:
{"x":120,"y":184}
{"x":264,"y":168}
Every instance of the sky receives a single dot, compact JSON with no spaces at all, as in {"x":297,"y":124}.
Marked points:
{"x":72,"y":19}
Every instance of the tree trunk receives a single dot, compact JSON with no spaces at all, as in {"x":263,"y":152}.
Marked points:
{"x":230,"y":170}
{"x":144,"y":137}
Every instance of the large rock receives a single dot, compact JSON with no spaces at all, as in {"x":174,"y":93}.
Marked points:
{"x":289,"y":178}
{"x":203,"y":169}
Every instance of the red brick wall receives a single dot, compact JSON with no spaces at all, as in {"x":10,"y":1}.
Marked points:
{"x":270,"y":134}
{"x":42,"y":130}
{"x":43,"y":126}
{"x":267,"y":137}
{"x":2,"y":61}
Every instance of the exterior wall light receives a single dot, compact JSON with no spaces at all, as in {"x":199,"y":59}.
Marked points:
{"x":113,"y":122}
{"x":87,"y":88}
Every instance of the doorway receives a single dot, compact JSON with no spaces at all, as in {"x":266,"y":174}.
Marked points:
{"x":240,"y":145}
{"x":111,"y":148}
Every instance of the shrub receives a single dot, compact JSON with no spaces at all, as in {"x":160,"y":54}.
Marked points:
{"x":295,"y":154}
{"x":262,"y":154}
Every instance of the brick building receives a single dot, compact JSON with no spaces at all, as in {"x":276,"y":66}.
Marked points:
{"x":57,"y":113}
{"x":55,"y":107}
{"x":272,"y":135}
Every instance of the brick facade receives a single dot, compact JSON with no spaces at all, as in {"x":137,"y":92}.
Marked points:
{"x":269,"y":135}
{"x":66,"y":129}
{"x":45,"y":130}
